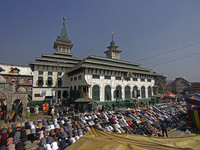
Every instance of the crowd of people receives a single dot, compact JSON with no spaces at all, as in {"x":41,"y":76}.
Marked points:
{"x":60,"y":132}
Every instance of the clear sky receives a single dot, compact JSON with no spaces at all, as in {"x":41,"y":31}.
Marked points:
{"x":163,"y":35}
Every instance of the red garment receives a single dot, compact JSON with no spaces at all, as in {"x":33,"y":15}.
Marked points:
{"x":4,"y":136}
{"x":134,"y":105}
{"x":128,"y":123}
{"x":18,"y":128}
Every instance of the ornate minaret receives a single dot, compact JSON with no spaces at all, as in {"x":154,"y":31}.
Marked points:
{"x":112,"y":51}
{"x":62,"y":43}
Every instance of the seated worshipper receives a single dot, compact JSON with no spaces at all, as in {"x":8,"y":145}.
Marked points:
{"x":27,"y":145}
{"x":24,"y":137}
{"x":57,"y":130}
{"x":57,"y":126}
{"x":68,"y":142}
{"x":4,"y":137}
{"x":48,"y":129}
{"x":27,"y":125}
{"x":77,"y":137}
{"x":53,"y":126}
{"x":4,"y":130}
{"x":54,"y":146}
{"x":72,"y":140}
{"x":9,"y":141}
{"x":64,"y":135}
{"x":32,"y":137}
{"x":52,"y":134}
{"x":80,"y":133}
{"x":75,"y":132}
{"x":10,"y":147}
{"x":17,"y":137}
{"x":63,"y":144}
{"x":19,"y":146}
{"x":58,"y":136}
{"x":43,"y":141}
{"x":41,"y":135}
{"x":47,"y":147}
{"x":11,"y":133}
{"x":49,"y":139}
{"x":55,"y":121}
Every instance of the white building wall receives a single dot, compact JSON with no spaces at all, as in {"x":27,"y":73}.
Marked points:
{"x":46,"y":69}
{"x":114,"y":83}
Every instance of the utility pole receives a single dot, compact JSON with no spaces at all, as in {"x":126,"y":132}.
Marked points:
{"x":57,"y":84}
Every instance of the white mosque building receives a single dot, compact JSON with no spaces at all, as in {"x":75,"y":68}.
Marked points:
{"x":63,"y":76}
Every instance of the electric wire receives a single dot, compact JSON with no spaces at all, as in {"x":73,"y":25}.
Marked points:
{"x":175,"y":59}
{"x":170,"y":51}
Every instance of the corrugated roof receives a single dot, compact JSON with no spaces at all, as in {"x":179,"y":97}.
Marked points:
{"x":24,"y":70}
{"x":109,"y":64}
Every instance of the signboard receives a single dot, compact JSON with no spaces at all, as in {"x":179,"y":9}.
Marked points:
{"x":42,"y":93}
{"x":50,"y":93}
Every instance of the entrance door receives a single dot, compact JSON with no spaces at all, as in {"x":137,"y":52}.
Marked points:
{"x":17,"y":107}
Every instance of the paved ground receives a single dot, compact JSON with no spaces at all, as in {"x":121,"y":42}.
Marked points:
{"x":42,"y":115}
{"x":33,"y":117}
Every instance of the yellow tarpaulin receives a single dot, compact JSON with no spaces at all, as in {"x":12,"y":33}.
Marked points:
{"x":97,"y":140}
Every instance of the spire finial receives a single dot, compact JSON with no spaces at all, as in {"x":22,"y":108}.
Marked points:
{"x":64,"y":20}
{"x":112,"y":35}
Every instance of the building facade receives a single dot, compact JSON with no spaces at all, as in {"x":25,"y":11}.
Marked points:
{"x":49,"y":77}
{"x":12,"y":96}
{"x":60,"y":75}
{"x":160,"y":86}
{"x":179,"y":85}
{"x":195,"y":87}
{"x":22,"y":76}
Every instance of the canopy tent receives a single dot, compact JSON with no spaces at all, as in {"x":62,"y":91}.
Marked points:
{"x":194,"y":112}
{"x":98,"y":140}
{"x":171,"y":94}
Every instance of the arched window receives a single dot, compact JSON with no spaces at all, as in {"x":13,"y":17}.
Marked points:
{"x":107,"y":92}
{"x":149,"y":92}
{"x":143,"y":92}
{"x":118,"y":92}
{"x":127,"y":92}
{"x":134,"y":92}
{"x":95,"y":92}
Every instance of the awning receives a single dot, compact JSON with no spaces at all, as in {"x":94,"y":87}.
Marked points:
{"x":171,"y":94}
